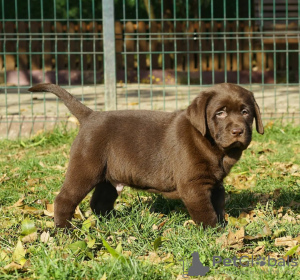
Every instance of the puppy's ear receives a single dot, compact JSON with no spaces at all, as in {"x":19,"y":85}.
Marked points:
{"x":196,"y":112}
{"x":258,"y":121}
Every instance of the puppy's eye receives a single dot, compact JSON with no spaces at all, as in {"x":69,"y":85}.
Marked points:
{"x":221,"y":114}
{"x":245,"y":112}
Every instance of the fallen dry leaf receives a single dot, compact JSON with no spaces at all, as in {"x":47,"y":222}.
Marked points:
{"x":275,"y":255}
{"x":32,"y":210}
{"x":241,"y":181}
{"x":153,"y":258}
{"x":169,"y":231}
{"x":19,"y":203}
{"x":45,"y":237}
{"x":32,"y":182}
{"x":259,"y":250}
{"x":30,"y":237}
{"x":289,"y":219}
{"x":154,"y":227}
{"x":232,"y":240}
{"x":188,"y":223}
{"x":3,"y":178}
{"x":78,"y":215}
{"x":12,"y":266}
{"x":285,"y":241}
{"x":131,"y":239}
{"x":50,"y":210}
{"x":256,"y":237}
{"x":162,"y":224}
{"x":266,"y":229}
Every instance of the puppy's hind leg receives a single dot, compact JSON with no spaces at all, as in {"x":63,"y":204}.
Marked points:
{"x":81,"y":178}
{"x":103,"y":198}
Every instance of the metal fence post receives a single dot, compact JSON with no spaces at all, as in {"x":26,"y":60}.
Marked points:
{"x":109,"y":50}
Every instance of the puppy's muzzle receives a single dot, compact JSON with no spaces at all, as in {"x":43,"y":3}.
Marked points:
{"x":237,"y":132}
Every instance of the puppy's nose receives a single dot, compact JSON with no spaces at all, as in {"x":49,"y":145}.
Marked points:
{"x":237,"y":132}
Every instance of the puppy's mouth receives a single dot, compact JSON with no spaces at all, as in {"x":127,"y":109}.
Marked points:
{"x":236,"y":144}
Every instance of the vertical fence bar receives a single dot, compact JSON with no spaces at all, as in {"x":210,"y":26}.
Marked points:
{"x":175,"y":52}
{"x":274,"y":58}
{"x":109,"y":50}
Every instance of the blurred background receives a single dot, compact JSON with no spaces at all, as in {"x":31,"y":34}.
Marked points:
{"x":159,"y":54}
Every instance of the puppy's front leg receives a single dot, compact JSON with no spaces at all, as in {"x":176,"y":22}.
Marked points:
{"x":197,"y":199}
{"x":218,"y":201}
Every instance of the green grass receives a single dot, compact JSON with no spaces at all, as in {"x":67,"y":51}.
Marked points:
{"x":149,"y":236}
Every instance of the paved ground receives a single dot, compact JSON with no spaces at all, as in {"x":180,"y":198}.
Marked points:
{"x":23,"y":113}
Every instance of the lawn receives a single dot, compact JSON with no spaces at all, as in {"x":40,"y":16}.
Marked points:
{"x":151,"y":237}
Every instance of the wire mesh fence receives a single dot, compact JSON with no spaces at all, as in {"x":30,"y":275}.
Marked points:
{"x":166,"y":52}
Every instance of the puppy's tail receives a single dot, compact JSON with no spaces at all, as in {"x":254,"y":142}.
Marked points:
{"x":79,"y":110}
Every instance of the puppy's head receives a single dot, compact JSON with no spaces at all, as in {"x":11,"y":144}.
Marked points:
{"x":226,"y":113}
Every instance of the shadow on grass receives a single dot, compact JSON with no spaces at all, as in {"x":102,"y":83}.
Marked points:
{"x":236,"y":203}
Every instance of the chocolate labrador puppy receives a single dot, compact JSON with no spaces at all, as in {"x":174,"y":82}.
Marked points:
{"x":182,"y":155}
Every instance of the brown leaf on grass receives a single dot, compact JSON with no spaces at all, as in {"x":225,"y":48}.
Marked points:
{"x":127,"y":253}
{"x":169,"y":231}
{"x":288,"y":168}
{"x":32,"y":210}
{"x":78,"y":215}
{"x":32,"y":182}
{"x":154,"y":227}
{"x":266,"y":229}
{"x":263,"y":158}
{"x":45,"y":237}
{"x":19,"y":203}
{"x":259,"y":250}
{"x":244,"y":215}
{"x":12,"y":266}
{"x":256,"y":237}
{"x":241,"y":181}
{"x":255,"y":215}
{"x":297,"y":239}
{"x":30,"y":237}
{"x":289,"y":219}
{"x":153,"y":258}
{"x":264,"y":151}
{"x":232,"y":240}
{"x":131,"y":239}
{"x":162,"y":224}
{"x":287,"y":241}
{"x":275,"y":255}
{"x":188,"y":223}
{"x":4,"y":178}
{"x":50,"y":210}
{"x":58,"y":167}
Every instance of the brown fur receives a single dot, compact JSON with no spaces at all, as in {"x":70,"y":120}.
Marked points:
{"x":182,"y":155}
